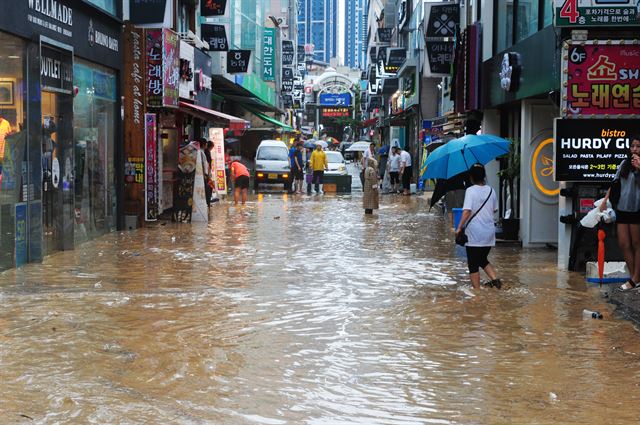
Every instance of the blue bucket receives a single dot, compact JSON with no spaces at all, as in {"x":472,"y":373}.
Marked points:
{"x":457,"y":215}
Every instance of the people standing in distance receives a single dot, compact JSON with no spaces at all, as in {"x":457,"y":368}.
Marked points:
{"x":206,"y":147}
{"x":406,"y":170}
{"x":240,"y":177}
{"x":394,"y":169}
{"x":480,"y":203}
{"x":369,"y":153}
{"x":297,"y":168}
{"x":319,"y":164}
{"x":627,"y":207}
{"x":371,"y":198}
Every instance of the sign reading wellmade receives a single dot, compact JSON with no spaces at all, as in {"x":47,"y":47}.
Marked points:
{"x":591,"y":150}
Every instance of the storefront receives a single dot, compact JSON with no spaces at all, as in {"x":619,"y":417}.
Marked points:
{"x":519,"y":89}
{"x":60,"y":130}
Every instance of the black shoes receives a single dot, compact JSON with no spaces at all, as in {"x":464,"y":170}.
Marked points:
{"x":496,"y":283}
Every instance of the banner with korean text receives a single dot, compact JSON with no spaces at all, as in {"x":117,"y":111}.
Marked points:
{"x":151,"y":181}
{"x":601,"y":79}
{"x":216,"y":135}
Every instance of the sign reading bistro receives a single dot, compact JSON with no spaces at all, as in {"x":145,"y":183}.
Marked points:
{"x":591,"y":150}
{"x":601,"y":79}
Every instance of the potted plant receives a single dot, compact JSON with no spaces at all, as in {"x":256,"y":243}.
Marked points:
{"x":510,"y":181}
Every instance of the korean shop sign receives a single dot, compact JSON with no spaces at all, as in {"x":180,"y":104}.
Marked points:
{"x":590,"y":13}
{"x":268,"y":54}
{"x":212,"y":7}
{"x":591,"y":150}
{"x":238,"y":61}
{"x":335,"y":112}
{"x":601,"y":79}
{"x":287,"y":79}
{"x":288,"y":52}
{"x":216,"y":37}
{"x":162,"y":68}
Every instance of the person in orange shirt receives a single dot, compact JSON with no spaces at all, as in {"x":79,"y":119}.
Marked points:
{"x":240,"y":177}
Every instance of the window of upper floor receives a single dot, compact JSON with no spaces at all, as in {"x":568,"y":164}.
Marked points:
{"x":107,"y":5}
{"x":515,"y":20}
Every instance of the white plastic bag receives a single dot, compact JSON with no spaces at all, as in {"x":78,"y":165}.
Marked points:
{"x":594,"y":216}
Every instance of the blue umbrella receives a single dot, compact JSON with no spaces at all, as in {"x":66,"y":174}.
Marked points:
{"x":457,"y":156}
{"x":383,"y":150}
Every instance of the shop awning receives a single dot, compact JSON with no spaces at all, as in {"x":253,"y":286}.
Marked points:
{"x":268,"y":119}
{"x":229,"y":121}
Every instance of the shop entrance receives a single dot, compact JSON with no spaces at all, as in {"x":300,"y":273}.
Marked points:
{"x":57,"y":171}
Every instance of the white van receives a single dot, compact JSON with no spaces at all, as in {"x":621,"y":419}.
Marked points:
{"x":272,"y":164}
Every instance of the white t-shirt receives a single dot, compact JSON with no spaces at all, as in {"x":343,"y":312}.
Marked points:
{"x":394,"y":163}
{"x":365,"y":158}
{"x":406,"y":158}
{"x":481,"y":231}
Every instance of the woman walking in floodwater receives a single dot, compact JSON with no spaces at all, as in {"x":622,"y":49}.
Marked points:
{"x":625,"y":197}
{"x":370,"y":200}
{"x":480,"y":203}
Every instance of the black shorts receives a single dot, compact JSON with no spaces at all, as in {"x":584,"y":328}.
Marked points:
{"x":298,"y":174}
{"x":626,"y":217}
{"x":406,"y":178}
{"x":242,"y":182}
{"x":395,"y":177}
{"x":477,"y":257}
{"x":318,"y":176}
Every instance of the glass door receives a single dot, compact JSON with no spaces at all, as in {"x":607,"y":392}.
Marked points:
{"x":57,"y":171}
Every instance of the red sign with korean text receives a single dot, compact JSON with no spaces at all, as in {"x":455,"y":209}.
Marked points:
{"x":162,"y":72}
{"x":152,"y":184}
{"x":335,"y":112}
{"x":601,"y":79}
{"x":170,"y":68}
{"x":153,"y":72}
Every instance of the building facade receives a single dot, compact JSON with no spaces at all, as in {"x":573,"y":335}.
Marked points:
{"x":355,"y":33}
{"x":318,"y":26}
{"x":60,"y":137}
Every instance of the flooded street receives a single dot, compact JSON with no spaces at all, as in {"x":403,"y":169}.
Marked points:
{"x":299,"y":310}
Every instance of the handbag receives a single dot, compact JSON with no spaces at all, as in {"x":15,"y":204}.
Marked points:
{"x":462,"y":238}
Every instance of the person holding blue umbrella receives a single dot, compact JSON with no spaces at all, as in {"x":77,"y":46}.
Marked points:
{"x":480,"y":203}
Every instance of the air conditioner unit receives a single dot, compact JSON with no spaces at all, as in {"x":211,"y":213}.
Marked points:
{"x":282,"y":21}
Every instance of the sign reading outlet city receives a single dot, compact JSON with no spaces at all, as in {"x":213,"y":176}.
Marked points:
{"x":591,"y":150}
{"x":56,"y":69}
{"x":329,"y":99}
{"x":601,"y":79}
{"x":591,"y":13}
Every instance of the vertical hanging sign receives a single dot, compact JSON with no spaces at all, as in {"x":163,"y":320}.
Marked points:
{"x":216,"y":135}
{"x":268,"y":54}
{"x":170,"y":68}
{"x":153,"y":39}
{"x":162,"y":68}
{"x":151,"y":168}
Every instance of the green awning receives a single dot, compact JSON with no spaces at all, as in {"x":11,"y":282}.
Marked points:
{"x":268,"y":119}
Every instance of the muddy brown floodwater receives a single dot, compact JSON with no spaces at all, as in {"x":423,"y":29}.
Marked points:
{"x":303,"y":311}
